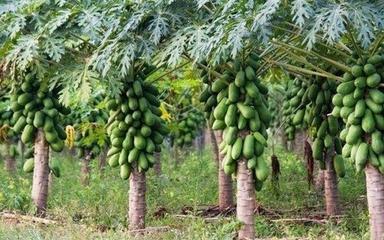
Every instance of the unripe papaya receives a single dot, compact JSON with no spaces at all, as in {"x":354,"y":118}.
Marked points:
{"x":133,"y":155}
{"x":249,"y":147}
{"x":247,"y":111}
{"x":261,"y":170}
{"x":354,"y":134}
{"x":125,"y":171}
{"x":317,"y":149}
{"x":360,"y":108}
{"x":361,"y":156}
{"x":240,"y":79}
{"x":338,"y":164}
{"x":237,"y":148}
{"x":373,"y":159}
{"x":233,"y":93}
{"x":230,"y":116}
{"x":143,"y":162}
{"x":373,"y":80}
{"x":220,"y":110}
{"x":28,"y":134}
{"x":28,"y":165}
{"x":377,"y":143}
{"x":368,"y":122}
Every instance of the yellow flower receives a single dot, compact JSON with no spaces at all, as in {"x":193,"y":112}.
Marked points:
{"x":164,"y":113}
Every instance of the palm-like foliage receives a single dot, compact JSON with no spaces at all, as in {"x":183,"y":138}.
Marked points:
{"x":76,"y":43}
{"x":230,"y":27}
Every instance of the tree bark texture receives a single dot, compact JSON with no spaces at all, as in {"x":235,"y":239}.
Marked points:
{"x":137,"y":204}
{"x":319,"y":182}
{"x":103,"y":160}
{"x":225,"y":181}
{"x":331,"y":191}
{"x":375,"y":197}
{"x":299,"y":142}
{"x":40,"y":174}
{"x":86,"y":168}
{"x":202,"y":139}
{"x":10,"y":162}
{"x":245,"y":201}
{"x":216,"y":139}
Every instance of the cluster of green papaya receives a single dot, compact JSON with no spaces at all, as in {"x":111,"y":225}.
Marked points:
{"x":359,"y":102}
{"x":192,"y":120}
{"x":323,"y":127}
{"x":35,"y":107}
{"x":293,"y":107}
{"x":310,"y":108}
{"x":137,"y":131}
{"x":240,"y":109}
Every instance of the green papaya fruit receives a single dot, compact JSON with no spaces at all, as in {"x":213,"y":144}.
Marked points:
{"x":28,"y":165}
{"x":368,"y":122}
{"x":338,"y":164}
{"x":28,"y":134}
{"x":261,"y":170}
{"x":361,"y":156}
{"x":249,"y":147}
{"x":237,"y":148}
{"x":125,"y":171}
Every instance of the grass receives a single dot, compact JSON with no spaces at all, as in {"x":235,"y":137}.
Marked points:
{"x":99,"y":210}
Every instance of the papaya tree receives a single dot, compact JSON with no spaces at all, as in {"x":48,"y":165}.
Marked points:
{"x":210,"y":102}
{"x":136,"y":133}
{"x":334,"y":27}
{"x":239,"y":108}
{"x":359,"y":104}
{"x":355,"y":35}
{"x":90,"y":135}
{"x":133,"y":36}
{"x":39,"y":121}
{"x":33,"y":56}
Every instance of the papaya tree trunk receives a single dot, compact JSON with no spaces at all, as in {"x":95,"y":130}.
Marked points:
{"x":216,"y":139}
{"x":225,"y":181}
{"x":157,"y":165}
{"x":137,"y":204}
{"x":10,"y":164}
{"x":40,"y":174}
{"x":86,"y":168}
{"x":246,"y":200}
{"x":319,"y":182}
{"x":10,"y":161}
{"x":198,"y":144}
{"x":298,"y":143}
{"x":331,"y":191}
{"x":103,"y":160}
{"x":202,"y":139}
{"x":375,"y":197}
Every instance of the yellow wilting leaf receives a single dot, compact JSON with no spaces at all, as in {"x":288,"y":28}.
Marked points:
{"x":164,"y":113}
{"x":3,"y":133}
{"x":70,"y":131}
